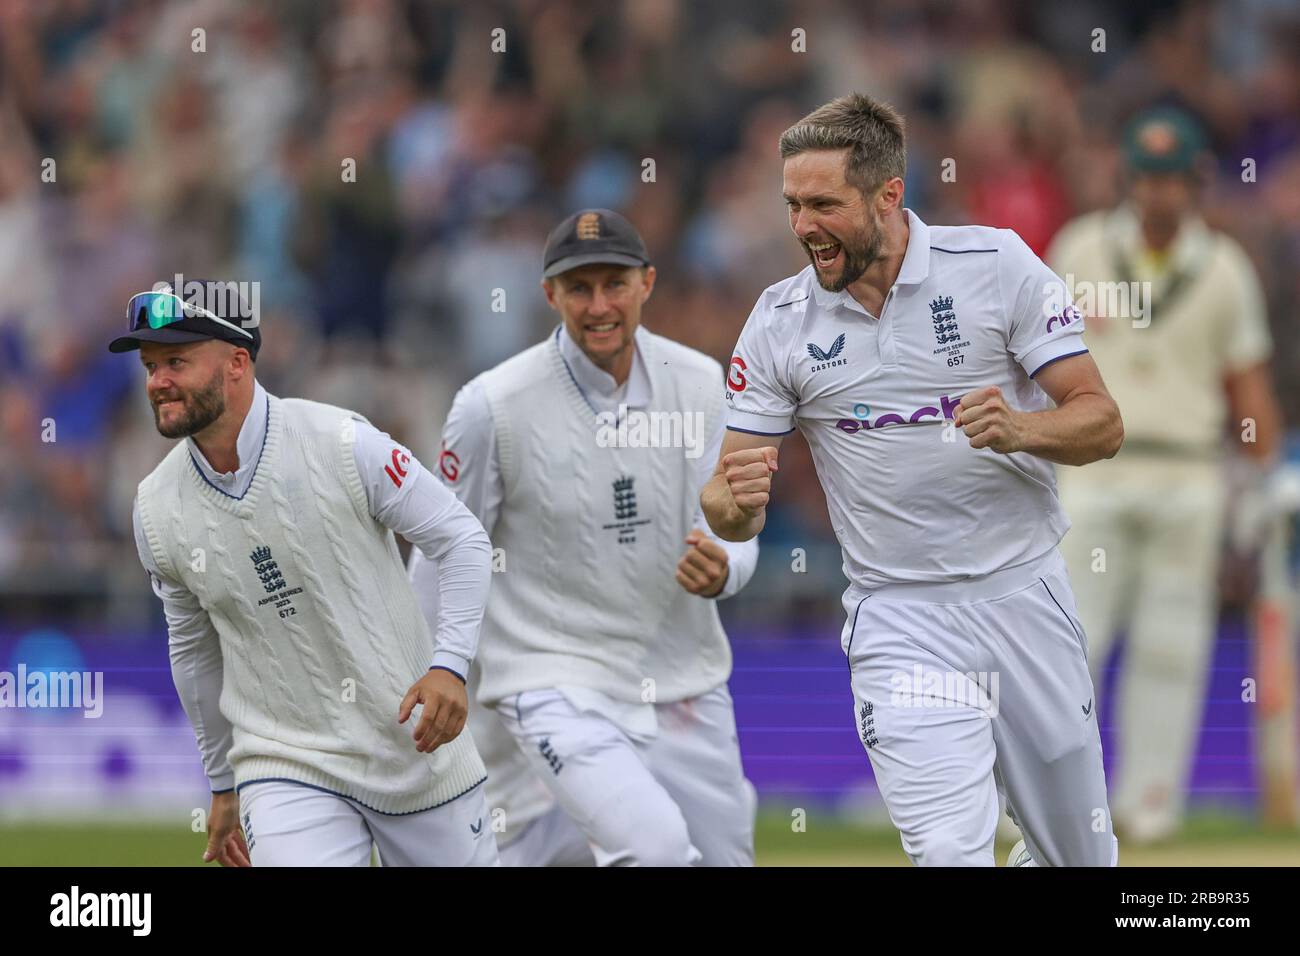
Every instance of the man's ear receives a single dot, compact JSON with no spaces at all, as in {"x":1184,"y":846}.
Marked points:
{"x":548,"y":289}
{"x":890,"y":196}
{"x":648,"y":275}
{"x":240,"y":359}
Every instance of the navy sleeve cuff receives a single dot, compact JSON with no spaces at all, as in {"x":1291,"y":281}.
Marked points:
{"x":439,"y":667}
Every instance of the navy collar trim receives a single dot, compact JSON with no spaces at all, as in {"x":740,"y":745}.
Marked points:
{"x":251,"y":477}
{"x":568,"y":369}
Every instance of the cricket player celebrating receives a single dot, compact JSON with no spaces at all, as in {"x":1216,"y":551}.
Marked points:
{"x":297,"y":645}
{"x":897,"y":335}
{"x":1145,"y":547}
{"x":602,"y":651}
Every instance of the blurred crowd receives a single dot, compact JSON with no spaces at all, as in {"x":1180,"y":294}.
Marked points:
{"x":141,"y":139}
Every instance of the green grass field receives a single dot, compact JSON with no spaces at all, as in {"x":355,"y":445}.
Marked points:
{"x":1209,"y":840}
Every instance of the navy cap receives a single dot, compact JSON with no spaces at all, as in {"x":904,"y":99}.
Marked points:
{"x":203,"y":310}
{"x":592,"y":236}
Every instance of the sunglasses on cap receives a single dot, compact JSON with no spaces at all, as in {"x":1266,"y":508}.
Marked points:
{"x":157,"y":310}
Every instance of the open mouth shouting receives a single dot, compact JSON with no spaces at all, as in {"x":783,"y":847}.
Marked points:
{"x":824,"y":254}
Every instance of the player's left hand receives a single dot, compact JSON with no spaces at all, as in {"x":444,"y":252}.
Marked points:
{"x":988,"y":421}
{"x":226,"y":842}
{"x":445,"y":708}
{"x":703,"y":568}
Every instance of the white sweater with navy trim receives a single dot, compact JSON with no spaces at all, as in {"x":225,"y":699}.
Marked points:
{"x":321,"y":635}
{"x":591,"y":536}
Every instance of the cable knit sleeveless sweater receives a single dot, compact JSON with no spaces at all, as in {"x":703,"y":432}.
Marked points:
{"x":321,"y":635}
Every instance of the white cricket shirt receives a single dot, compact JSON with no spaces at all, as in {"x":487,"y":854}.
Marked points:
{"x":909,"y":498}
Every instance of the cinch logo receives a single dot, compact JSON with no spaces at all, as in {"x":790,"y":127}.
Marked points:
{"x":1068,"y":315}
{"x":862,"y":415}
{"x":736,"y":374}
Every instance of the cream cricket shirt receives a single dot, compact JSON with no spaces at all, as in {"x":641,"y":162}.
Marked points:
{"x":1165,"y":335}
{"x":909,"y":499}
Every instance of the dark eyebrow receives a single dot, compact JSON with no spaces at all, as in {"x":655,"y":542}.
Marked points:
{"x":809,"y":199}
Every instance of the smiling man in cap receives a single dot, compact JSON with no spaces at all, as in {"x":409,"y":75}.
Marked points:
{"x":606,"y":722}
{"x":297,"y":645}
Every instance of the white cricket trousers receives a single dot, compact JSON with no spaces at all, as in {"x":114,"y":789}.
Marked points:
{"x":553,"y":839}
{"x":293,"y":824}
{"x":1143,"y":552}
{"x":976,"y":694}
{"x":679,"y":799}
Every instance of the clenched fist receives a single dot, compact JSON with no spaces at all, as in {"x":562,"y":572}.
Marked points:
{"x":988,"y":421}
{"x":703,"y":568}
{"x":749,"y":477}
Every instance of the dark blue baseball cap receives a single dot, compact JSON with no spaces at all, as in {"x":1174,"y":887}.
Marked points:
{"x":592,"y":236}
{"x":203,"y":309}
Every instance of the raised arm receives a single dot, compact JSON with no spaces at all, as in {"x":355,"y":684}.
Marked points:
{"x":734,"y":500}
{"x":713,"y":567}
{"x":1044,"y":334}
{"x":1085,"y":425}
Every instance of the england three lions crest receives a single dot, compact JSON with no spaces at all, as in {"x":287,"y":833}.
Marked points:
{"x":267,"y":570}
{"x":625,"y":520}
{"x":278,"y":591}
{"x":947,"y":334}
